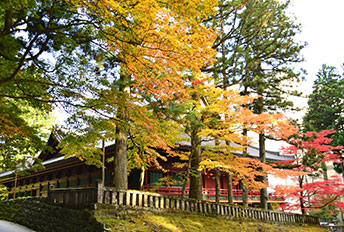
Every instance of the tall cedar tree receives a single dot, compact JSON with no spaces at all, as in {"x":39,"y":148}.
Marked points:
{"x":256,"y":48}
{"x":325,"y":106}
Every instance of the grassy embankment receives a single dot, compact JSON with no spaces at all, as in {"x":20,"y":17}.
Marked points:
{"x":42,"y":216}
{"x":143,"y":221}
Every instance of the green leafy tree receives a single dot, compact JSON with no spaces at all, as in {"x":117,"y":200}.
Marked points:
{"x":43,"y":49}
{"x":325,"y":106}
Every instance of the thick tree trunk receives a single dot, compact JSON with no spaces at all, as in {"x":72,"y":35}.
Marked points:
{"x":217,"y":185}
{"x":230,"y":189}
{"x":195,"y":191}
{"x":244,"y":197}
{"x":186,"y":178}
{"x":121,"y":176}
{"x":262,"y":156}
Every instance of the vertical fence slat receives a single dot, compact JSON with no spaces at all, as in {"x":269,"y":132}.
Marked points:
{"x":140,"y":202}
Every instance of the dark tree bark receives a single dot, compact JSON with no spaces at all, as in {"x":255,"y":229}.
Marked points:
{"x":195,"y":174}
{"x":244,"y":197}
{"x":121,"y":177}
{"x":262,"y":156}
{"x":230,"y":189}
{"x":186,"y":178}
{"x":217,"y":185}
{"x":302,"y":204}
{"x":244,"y":190}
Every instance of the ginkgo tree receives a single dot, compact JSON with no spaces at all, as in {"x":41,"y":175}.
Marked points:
{"x":312,"y":150}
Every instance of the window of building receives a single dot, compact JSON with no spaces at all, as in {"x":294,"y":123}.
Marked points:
{"x":177,"y":180}
{"x":154,"y":177}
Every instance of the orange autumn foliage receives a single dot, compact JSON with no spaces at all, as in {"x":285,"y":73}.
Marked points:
{"x":221,"y":116}
{"x":274,"y":125}
{"x":155,"y":41}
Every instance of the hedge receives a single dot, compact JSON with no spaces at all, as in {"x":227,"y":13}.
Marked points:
{"x":39,"y":215}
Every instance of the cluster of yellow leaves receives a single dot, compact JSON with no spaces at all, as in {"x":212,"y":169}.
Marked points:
{"x":149,"y":136}
{"x":222,"y":112}
{"x":224,"y":116}
{"x":157,"y":41}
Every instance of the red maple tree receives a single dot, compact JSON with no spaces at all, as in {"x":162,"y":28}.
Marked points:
{"x":312,"y":151}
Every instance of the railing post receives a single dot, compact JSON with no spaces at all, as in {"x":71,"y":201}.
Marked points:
{"x":114,"y":198}
{"x":100,"y":192}
{"x":167,"y":203}
{"x":177,"y":204}
{"x":162,"y":202}
{"x":107,"y":197}
{"x":120,"y":197}
{"x":145,"y":200}
{"x":134,"y":199}
{"x":127,"y":198}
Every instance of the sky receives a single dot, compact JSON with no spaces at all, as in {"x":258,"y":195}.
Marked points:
{"x":322,"y":28}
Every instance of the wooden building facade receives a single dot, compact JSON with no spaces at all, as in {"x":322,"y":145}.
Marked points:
{"x":71,"y":173}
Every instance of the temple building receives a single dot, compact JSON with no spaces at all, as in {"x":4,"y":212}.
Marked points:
{"x":72,"y":172}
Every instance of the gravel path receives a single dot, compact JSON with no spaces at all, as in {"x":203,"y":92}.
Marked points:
{"x":6,"y":226}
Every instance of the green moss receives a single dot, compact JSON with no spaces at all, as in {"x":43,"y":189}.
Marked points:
{"x":184,"y":222}
{"x":42,"y":216}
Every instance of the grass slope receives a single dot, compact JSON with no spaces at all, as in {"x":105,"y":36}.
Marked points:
{"x":144,"y":221}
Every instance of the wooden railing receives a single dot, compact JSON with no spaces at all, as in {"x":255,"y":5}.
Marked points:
{"x":73,"y":196}
{"x":156,"y":201}
{"x":209,"y":194}
{"x":138,"y":199}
